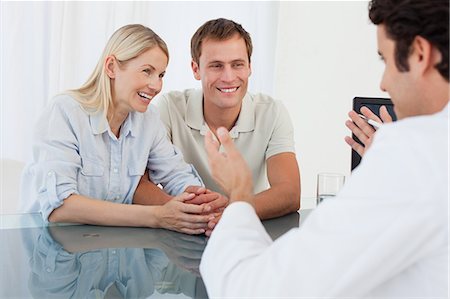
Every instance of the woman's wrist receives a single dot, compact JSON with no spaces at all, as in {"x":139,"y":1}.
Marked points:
{"x":152,"y":217}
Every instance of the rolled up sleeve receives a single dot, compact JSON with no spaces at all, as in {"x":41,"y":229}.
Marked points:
{"x":53,"y":174}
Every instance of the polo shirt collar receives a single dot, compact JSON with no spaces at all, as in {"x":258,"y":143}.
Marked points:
{"x":195,"y":120}
{"x":194,"y":110}
{"x":246,"y":118}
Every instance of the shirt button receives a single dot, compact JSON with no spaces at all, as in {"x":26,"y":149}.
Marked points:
{"x":48,"y":270}
{"x":113,"y":252}
{"x":116,"y":198}
{"x":116,"y":170}
{"x":49,"y":173}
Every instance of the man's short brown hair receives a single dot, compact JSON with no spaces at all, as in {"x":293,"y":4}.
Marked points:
{"x":218,"y":29}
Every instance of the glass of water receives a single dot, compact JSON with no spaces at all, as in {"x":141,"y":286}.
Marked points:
{"x":328,"y":185}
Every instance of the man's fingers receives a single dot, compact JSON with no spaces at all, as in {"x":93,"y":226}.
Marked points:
{"x":362,"y":125}
{"x":195,"y":189}
{"x":369,"y":114}
{"x":357,"y":131}
{"x":184,"y":197}
{"x":360,"y":128}
{"x":211,"y":145}
{"x":225,"y":140}
{"x":203,"y":198}
{"x":216,"y":160}
{"x":355,"y":145}
{"x":220,"y":202}
{"x":385,"y":116}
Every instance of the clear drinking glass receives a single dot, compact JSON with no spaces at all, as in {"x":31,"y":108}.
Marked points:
{"x":328,"y":185}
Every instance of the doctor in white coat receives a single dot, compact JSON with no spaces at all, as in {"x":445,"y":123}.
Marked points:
{"x":386,"y":233}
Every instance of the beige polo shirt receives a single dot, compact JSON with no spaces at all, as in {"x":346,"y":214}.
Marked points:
{"x":263,"y":129}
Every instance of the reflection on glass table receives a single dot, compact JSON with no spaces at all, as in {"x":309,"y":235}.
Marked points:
{"x":83,"y":261}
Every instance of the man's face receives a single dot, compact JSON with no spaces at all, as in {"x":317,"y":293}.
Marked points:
{"x":224,"y":70}
{"x":403,"y":87}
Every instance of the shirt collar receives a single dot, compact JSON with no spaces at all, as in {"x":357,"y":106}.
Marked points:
{"x":195,"y":120}
{"x":194,"y":110}
{"x":99,"y":124}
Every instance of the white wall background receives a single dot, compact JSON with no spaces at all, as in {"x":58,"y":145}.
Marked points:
{"x":48,"y":47}
{"x":314,"y":56}
{"x":326,"y":55}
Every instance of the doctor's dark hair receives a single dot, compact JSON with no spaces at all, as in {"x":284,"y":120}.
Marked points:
{"x":406,"y":19}
{"x":218,"y":29}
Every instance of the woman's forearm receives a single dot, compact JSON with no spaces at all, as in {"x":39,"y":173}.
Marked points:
{"x":81,"y":209}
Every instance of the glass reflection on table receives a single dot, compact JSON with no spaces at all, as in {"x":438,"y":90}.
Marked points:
{"x":84,"y":261}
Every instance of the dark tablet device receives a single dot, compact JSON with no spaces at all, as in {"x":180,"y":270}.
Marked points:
{"x":373,"y":104}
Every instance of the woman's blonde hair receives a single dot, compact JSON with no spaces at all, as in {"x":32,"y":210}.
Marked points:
{"x":126,"y":43}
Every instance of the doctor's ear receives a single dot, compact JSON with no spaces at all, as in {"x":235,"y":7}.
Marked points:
{"x":110,"y":66}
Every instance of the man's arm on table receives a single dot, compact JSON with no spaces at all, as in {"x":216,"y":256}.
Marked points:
{"x":147,"y":193}
{"x":283,"y":196}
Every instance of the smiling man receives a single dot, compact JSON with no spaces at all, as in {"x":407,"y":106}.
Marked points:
{"x":260,"y":126}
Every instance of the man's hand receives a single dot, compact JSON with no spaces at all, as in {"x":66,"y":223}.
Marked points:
{"x":197,"y":190}
{"x":147,"y":193}
{"x":361,"y":129}
{"x":212,"y":223}
{"x":216,"y":204}
{"x":178,"y":215}
{"x":229,"y":169}
{"x":216,"y":201}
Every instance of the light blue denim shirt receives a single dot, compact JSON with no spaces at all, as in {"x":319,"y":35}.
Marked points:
{"x":75,"y":152}
{"x":56,"y":273}
{"x":136,"y":272}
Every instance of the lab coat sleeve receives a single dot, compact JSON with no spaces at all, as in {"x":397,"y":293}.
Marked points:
{"x":349,"y":246}
{"x":226,"y":252}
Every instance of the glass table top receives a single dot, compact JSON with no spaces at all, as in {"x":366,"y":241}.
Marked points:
{"x":85,"y":261}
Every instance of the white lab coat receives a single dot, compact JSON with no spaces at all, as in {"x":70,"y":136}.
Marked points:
{"x":384,"y":235}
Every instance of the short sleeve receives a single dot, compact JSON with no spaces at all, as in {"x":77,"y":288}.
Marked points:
{"x":163,"y":108}
{"x":282,"y":139}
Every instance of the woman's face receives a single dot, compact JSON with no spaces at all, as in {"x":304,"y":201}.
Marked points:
{"x":136,"y":82}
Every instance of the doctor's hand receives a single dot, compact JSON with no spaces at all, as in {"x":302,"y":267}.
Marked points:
{"x":361,"y":129}
{"x":229,"y":168}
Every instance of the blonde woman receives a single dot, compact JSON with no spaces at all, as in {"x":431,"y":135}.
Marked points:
{"x":93,"y":144}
